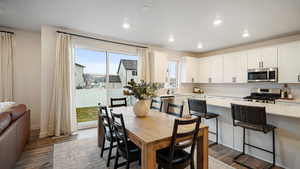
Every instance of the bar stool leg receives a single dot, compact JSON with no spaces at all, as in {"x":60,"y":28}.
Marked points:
{"x":244,"y":130}
{"x":217,"y":130}
{"x":274,"y":153}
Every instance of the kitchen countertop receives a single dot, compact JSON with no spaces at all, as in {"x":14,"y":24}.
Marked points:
{"x":287,"y":108}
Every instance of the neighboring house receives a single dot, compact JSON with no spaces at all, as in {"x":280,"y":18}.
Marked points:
{"x":127,"y":70}
{"x":114,"y":81}
{"x":79,"y":79}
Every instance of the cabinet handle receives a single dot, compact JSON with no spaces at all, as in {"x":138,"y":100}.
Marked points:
{"x":298,"y":78}
{"x":209,"y":80}
{"x":192,"y":80}
{"x":233,"y":79}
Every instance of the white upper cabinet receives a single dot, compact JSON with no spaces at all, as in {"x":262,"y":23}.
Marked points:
{"x":204,"y":70}
{"x":235,"y":67}
{"x":159,"y":67}
{"x":289,"y":63}
{"x":211,"y":69}
{"x":262,"y":58}
{"x":216,"y":69}
{"x":189,"y":69}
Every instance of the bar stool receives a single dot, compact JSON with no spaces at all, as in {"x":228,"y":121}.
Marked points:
{"x":252,"y":118}
{"x":199,"y":108}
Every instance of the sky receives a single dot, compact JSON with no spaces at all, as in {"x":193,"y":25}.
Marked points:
{"x":95,"y":62}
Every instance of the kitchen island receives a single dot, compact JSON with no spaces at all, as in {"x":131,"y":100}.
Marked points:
{"x":284,"y":115}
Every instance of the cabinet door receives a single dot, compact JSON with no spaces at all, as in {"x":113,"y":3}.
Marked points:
{"x":229,"y":67}
{"x":160,"y":62}
{"x":241,"y":67}
{"x":269,"y":57}
{"x":216,"y":69}
{"x":204,"y":70}
{"x":189,"y":70}
{"x":289,"y":62}
{"x":254,"y":58}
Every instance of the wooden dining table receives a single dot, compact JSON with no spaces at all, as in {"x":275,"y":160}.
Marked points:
{"x":154,"y":132}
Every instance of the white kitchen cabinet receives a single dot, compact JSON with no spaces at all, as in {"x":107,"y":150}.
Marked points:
{"x":235,"y":67}
{"x":211,"y":69}
{"x":289,"y":63}
{"x":262,"y":58}
{"x":159,"y":66}
{"x":216,"y":69}
{"x":204,"y":70}
{"x":189,"y":69}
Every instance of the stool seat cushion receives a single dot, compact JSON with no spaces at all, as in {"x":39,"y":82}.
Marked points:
{"x":264,"y":128}
{"x":208,"y":115}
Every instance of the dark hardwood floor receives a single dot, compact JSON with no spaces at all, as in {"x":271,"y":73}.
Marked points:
{"x":38,"y":153}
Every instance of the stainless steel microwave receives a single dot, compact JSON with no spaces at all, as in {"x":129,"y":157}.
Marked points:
{"x":263,"y":75}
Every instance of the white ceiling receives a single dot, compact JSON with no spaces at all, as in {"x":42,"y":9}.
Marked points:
{"x":189,"y":21}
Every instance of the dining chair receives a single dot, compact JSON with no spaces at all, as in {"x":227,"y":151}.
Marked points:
{"x":252,"y":118}
{"x":156,"y":105}
{"x":199,"y":108}
{"x":105,"y":124}
{"x":115,"y":102}
{"x":175,"y":109}
{"x":176,"y":155}
{"x":125,"y":148}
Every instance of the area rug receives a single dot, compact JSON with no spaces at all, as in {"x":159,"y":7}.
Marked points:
{"x":84,"y":154}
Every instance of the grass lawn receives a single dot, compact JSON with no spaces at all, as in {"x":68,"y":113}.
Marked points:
{"x":86,"y":114}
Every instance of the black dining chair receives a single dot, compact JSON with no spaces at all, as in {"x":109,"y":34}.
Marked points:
{"x":156,"y":105}
{"x":176,"y":156}
{"x":252,"y":118}
{"x":105,"y":125}
{"x":199,"y":108}
{"x":115,"y":102}
{"x":171,"y":109}
{"x":125,"y":148}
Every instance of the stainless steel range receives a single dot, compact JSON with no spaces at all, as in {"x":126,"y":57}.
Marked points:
{"x":264,"y":95}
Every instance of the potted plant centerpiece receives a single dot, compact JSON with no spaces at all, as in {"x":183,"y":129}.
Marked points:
{"x":142,"y":92}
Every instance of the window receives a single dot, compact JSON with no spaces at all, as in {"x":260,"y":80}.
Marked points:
{"x":172,"y":75}
{"x":134,"y":73}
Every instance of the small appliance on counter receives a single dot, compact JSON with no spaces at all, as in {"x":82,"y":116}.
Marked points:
{"x":198,"y":90}
{"x":264,"y":95}
{"x":286,"y":92}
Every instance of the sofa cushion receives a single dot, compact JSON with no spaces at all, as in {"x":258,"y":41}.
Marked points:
{"x":17,"y":111}
{"x":5,"y":106}
{"x":5,"y":120}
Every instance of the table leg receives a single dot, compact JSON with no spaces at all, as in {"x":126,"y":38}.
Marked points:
{"x":148,"y":157}
{"x":202,"y":150}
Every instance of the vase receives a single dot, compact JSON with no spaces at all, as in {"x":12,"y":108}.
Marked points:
{"x":141,"y":108}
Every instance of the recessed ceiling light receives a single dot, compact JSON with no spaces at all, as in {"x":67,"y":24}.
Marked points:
{"x":199,"y":46}
{"x":217,"y":21}
{"x":245,"y":34}
{"x":126,"y":25}
{"x":171,"y":38}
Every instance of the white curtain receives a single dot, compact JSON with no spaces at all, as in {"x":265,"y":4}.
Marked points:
{"x":144,"y":67}
{"x":62,"y":105}
{"x":6,"y":66}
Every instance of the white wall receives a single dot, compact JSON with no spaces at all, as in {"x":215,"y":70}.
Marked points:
{"x":27,"y":72}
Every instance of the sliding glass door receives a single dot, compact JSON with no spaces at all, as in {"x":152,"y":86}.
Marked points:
{"x":100,"y":76}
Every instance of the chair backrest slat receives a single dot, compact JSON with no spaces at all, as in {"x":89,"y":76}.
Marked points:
{"x":178,"y":142}
{"x":105,"y":120}
{"x":249,"y":114}
{"x":175,"y":106}
{"x":154,"y":106}
{"x":120,"y":130}
{"x":115,"y":102}
{"x":197,"y":106}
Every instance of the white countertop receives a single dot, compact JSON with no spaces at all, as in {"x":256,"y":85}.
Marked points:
{"x":281,"y":108}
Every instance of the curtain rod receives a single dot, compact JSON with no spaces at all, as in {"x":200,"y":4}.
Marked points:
{"x":8,"y":32}
{"x":88,"y":37}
